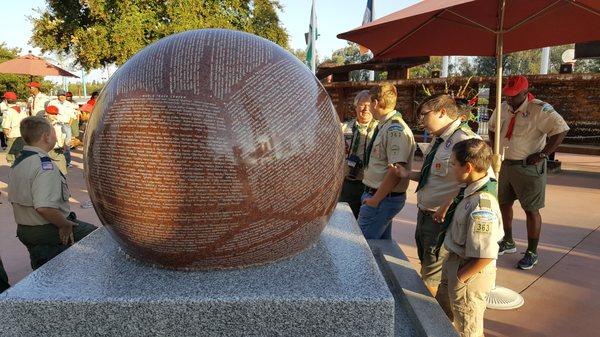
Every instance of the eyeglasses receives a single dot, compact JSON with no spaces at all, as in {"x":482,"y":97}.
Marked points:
{"x":423,"y":114}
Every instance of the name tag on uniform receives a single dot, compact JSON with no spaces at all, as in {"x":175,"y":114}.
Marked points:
{"x":483,"y":221}
{"x":47,"y":166}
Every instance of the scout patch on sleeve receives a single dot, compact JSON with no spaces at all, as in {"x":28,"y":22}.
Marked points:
{"x":47,"y":166}
{"x":547,"y":108}
{"x":483,"y":221}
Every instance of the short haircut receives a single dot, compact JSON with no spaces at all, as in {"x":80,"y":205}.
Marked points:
{"x":440,"y":101}
{"x":386,"y":94}
{"x":33,"y":127}
{"x":363,"y":94}
{"x":474,"y":151}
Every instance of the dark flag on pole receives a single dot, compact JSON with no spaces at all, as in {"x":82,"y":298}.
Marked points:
{"x":367,"y":17}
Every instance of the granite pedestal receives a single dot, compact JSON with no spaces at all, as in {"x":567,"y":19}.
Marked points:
{"x":332,"y":289}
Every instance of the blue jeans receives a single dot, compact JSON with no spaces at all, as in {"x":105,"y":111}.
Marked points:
{"x":66,"y":129}
{"x":376,"y":223}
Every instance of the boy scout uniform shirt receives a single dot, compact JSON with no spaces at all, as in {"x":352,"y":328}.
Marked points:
{"x":364,"y":138}
{"x":441,"y":186}
{"x":11,"y":120}
{"x":535,"y":120}
{"x":394,"y":144}
{"x":33,"y":184}
{"x":476,"y":226}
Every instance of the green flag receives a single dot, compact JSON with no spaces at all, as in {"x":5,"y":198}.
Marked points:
{"x":311,"y":51}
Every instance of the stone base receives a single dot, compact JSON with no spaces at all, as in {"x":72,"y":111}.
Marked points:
{"x":332,"y":289}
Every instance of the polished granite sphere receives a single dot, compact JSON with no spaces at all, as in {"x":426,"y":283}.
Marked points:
{"x":213,"y":149}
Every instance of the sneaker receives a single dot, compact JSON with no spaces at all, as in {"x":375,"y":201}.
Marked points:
{"x":528,"y":261}
{"x":507,"y":247}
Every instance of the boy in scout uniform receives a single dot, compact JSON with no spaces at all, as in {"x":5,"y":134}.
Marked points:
{"x":474,"y":227}
{"x":357,"y":133}
{"x":440,"y":116}
{"x":526,"y":124}
{"x":392,"y":143}
{"x":58,"y":153}
{"x":39,"y":196}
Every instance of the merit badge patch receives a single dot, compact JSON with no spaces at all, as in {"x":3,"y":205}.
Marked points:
{"x":47,"y":166}
{"x":483,"y":221}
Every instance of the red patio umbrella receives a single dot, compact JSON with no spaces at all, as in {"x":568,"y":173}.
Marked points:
{"x":33,"y":66}
{"x":479,"y":27}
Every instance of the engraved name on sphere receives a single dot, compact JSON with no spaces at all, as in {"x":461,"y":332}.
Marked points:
{"x":213,"y":149}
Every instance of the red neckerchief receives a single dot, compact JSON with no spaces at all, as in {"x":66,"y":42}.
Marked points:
{"x":513,"y":119}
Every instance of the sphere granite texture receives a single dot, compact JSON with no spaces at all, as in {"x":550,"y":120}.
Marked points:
{"x":213,"y":149}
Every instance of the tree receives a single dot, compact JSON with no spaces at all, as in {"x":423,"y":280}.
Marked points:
{"x":17,"y":83}
{"x":102,"y":32}
{"x":350,"y":55}
{"x":424,"y":70}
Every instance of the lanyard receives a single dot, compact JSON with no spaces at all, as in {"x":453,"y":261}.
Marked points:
{"x":356,"y":140}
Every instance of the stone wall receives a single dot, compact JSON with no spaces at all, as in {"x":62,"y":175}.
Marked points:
{"x":575,"y":96}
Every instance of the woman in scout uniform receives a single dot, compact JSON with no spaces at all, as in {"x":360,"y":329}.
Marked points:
{"x":358,"y":133}
{"x":474,"y":225}
{"x":440,"y":116}
{"x":392,"y":143}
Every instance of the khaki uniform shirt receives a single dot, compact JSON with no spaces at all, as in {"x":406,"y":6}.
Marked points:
{"x":363,"y":138}
{"x":11,"y":120}
{"x":441,"y":185}
{"x":394,"y":144}
{"x":37,"y":104}
{"x":34,"y":184}
{"x":534,"y":122}
{"x":477,"y":224}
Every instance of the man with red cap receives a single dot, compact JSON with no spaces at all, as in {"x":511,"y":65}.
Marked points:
{"x":526,"y":123}
{"x":10,"y":123}
{"x":38,"y":100}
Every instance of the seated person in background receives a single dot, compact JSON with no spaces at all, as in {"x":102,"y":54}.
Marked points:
{"x":39,"y":195}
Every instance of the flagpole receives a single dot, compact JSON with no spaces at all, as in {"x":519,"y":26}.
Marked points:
{"x":372,"y":72}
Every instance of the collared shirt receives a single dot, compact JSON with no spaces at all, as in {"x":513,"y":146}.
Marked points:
{"x":37,"y":104}
{"x":441,"y":185}
{"x":11,"y":120}
{"x":476,"y":226}
{"x":363,"y":138}
{"x":535,"y":120}
{"x":394,"y":144}
{"x":66,"y":112}
{"x":34,"y":184}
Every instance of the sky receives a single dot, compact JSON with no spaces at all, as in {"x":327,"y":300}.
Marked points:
{"x":333,"y":17}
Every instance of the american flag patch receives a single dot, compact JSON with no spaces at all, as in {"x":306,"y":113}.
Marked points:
{"x":47,"y":166}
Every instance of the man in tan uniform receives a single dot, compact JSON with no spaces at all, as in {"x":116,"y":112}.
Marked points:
{"x":10,"y":123}
{"x":357,"y":133}
{"x":392,"y":143}
{"x":526,"y":123}
{"x":39,"y":196}
{"x":474,"y":228}
{"x":440,"y":115}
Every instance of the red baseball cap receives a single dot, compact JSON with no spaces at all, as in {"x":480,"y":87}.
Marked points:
{"x":33,"y":84}
{"x":515,"y":85}
{"x":10,"y":95}
{"x":51,"y":110}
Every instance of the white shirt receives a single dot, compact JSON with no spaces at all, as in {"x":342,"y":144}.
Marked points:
{"x":66,"y":112}
{"x":11,"y":120}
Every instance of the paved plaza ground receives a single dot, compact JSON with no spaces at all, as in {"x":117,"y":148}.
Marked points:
{"x":562,"y":297}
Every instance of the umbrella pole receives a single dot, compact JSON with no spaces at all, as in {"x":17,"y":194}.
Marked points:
{"x":497,"y":160}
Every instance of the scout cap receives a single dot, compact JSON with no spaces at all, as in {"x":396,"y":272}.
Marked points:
{"x":515,"y":85}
